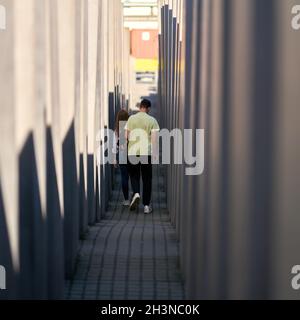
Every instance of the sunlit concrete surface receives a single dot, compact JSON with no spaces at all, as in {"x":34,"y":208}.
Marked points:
{"x":232,"y":69}
{"x":60,"y":82}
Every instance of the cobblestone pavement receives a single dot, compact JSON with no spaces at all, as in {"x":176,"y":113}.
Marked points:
{"x":129,"y":256}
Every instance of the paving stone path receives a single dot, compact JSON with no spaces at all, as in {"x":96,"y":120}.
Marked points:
{"x":129,"y":256}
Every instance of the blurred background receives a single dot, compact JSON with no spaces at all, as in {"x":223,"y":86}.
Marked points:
{"x":141,"y":22}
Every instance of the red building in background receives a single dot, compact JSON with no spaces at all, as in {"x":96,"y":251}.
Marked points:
{"x":144,"y":44}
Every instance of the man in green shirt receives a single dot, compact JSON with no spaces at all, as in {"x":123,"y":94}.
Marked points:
{"x":141,"y":132}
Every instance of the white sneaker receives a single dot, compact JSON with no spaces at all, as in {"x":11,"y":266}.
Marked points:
{"x":135,"y":202}
{"x":126,"y":203}
{"x":147,"y":209}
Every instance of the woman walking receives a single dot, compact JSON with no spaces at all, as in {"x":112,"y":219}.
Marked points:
{"x":119,"y":146}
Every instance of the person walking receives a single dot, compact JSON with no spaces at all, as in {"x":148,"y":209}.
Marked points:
{"x":119,"y":146}
{"x":141,"y":132}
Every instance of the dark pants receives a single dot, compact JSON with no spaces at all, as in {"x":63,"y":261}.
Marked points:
{"x":125,"y":180}
{"x":135,"y":171}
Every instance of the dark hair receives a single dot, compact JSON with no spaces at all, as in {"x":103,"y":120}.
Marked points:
{"x":145,"y":104}
{"x":121,"y":116}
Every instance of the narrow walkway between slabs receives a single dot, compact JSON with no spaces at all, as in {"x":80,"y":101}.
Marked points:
{"x":129,"y":255}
